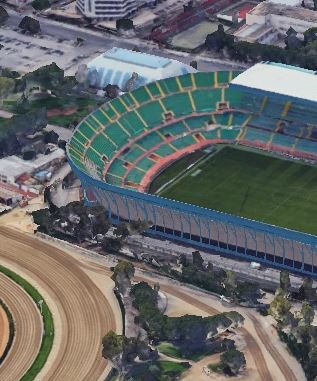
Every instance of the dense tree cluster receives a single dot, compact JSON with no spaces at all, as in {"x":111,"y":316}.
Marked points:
{"x":75,"y":219}
{"x":296,"y":328}
{"x":191,"y":334}
{"x":296,"y":53}
{"x":13,"y":131}
{"x":218,"y":281}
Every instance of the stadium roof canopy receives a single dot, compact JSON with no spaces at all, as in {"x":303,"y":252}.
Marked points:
{"x":117,"y":65}
{"x":285,"y":80}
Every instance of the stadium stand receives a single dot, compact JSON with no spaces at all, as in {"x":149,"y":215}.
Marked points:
{"x":121,"y":147}
{"x":174,"y":114}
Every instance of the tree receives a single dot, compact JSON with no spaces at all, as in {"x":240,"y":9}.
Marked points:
{"x":218,"y":40}
{"x":306,"y":290}
{"x":111,"y":245}
{"x":231,"y":283}
{"x":29,"y":24}
{"x":124,"y":24}
{"x":7,"y":86}
{"x":29,"y":155}
{"x":284,"y":280}
{"x":112,"y":91}
{"x":198,"y":260}
{"x":307,"y":314}
{"x":79,"y":41}
{"x":315,"y":5}
{"x":193,"y":64}
{"x":40,"y":4}
{"x":3,"y":14}
{"x":122,"y":230}
{"x":112,"y":348}
{"x":232,"y":361}
{"x":122,"y":275}
{"x":50,"y":137}
{"x":280,"y":308}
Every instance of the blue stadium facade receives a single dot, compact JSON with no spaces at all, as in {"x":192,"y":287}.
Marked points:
{"x":207,"y":229}
{"x":203,"y":228}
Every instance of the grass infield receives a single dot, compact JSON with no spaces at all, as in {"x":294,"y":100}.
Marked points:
{"x":48,"y":324}
{"x":250,"y":184}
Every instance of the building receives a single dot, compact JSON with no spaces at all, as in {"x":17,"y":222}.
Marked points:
{"x":107,"y":9}
{"x":269,"y":21}
{"x":147,"y":129}
{"x":13,"y":167}
{"x":117,"y":65}
{"x":10,"y":195}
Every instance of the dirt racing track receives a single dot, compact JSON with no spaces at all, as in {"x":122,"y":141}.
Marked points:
{"x":81,"y":312}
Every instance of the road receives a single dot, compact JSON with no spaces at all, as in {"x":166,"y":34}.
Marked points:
{"x":82,"y":314}
{"x":95,"y":40}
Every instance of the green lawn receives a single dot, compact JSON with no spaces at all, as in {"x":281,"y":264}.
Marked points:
{"x":253,"y":185}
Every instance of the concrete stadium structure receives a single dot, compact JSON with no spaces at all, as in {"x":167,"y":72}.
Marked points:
{"x":121,"y":147}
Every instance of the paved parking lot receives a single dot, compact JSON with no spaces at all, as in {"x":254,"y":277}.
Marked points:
{"x":31,"y":52}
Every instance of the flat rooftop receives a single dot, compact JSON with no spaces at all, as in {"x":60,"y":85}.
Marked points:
{"x":280,"y":79}
{"x":136,"y":58}
{"x":267,"y":8}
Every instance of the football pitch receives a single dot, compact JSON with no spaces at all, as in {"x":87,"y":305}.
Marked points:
{"x":248,"y":184}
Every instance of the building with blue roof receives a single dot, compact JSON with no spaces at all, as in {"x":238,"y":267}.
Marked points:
{"x":117,"y":65}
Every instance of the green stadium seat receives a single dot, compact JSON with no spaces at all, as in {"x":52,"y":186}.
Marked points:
{"x":183,"y":142}
{"x":141,"y":95}
{"x":154,"y":90}
{"x":204,"y":80}
{"x":206,"y":100}
{"x":95,"y":158}
{"x":145,"y":164}
{"x":150,"y":140}
{"x":101,"y":117}
{"x":152,"y":113}
{"x":135,"y":176}
{"x":164,"y":150}
{"x":170,"y":86}
{"x":103,"y":146}
{"x":117,"y":168}
{"x":133,"y":153}
{"x":186,"y":81}
{"x":117,"y":134}
{"x":197,"y":121}
{"x":174,"y":129}
{"x":229,"y":134}
{"x":132,"y":123}
{"x":179,"y":104}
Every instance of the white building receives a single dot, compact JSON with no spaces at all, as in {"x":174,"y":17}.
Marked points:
{"x":107,"y":9}
{"x":269,"y":20}
{"x":117,"y":65}
{"x":13,"y":167}
{"x":279,"y":80}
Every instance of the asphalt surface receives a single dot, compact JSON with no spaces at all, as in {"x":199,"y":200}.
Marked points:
{"x":85,"y":314}
{"x":96,"y":40}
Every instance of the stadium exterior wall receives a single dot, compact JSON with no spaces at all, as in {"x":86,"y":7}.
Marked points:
{"x":206,"y":229}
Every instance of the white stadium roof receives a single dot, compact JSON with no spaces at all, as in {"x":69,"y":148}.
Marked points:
{"x":280,"y":79}
{"x":117,"y":65}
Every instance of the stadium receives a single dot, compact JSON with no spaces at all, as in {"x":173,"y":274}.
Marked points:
{"x":223,"y":161}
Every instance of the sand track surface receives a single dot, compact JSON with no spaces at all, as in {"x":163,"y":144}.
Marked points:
{"x":28,"y":330}
{"x":81,"y":312}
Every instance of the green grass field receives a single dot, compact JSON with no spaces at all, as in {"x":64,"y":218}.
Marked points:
{"x":249,"y":184}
